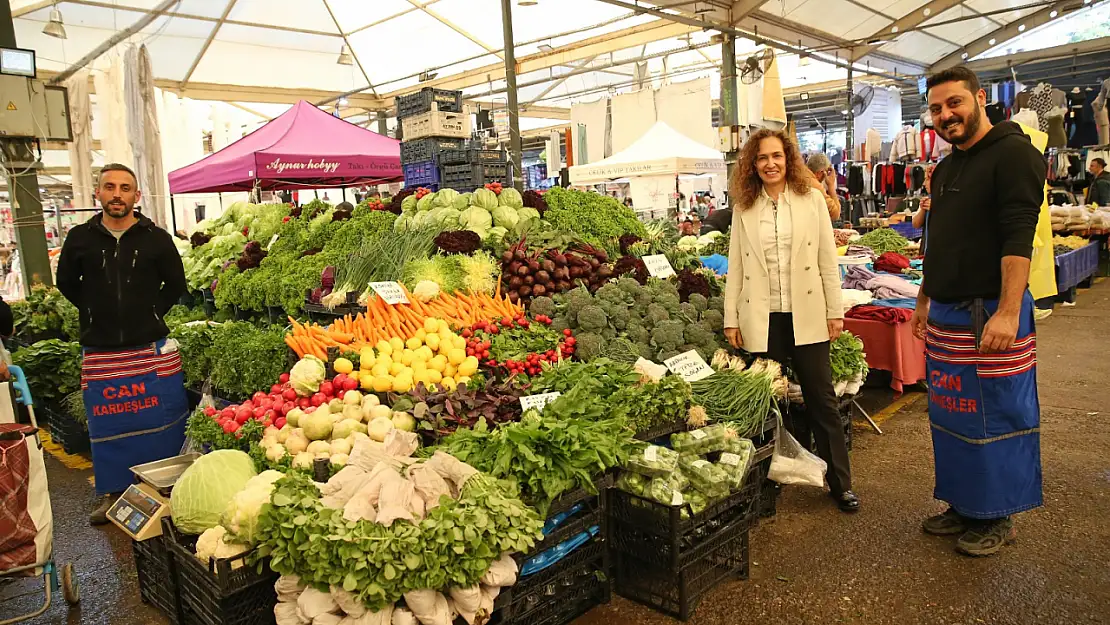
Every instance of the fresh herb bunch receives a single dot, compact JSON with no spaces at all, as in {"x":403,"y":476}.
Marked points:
{"x":246,"y":358}
{"x":847,"y":358}
{"x":52,"y":367}
{"x":453,"y":545}
{"x":742,"y":398}
{"x":652,"y":404}
{"x":440,"y":413}
{"x":596,"y":219}
{"x":882,"y":240}
{"x":202,"y":429}
{"x":181,"y":314}
{"x":603,"y":377}
{"x":74,"y":406}
{"x":194,"y":341}
{"x":46,"y":313}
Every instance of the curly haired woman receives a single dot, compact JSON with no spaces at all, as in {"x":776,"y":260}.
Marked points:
{"x":782,"y":295}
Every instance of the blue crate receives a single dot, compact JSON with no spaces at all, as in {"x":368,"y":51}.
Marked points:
{"x":421,"y":174}
{"x":907,"y":230}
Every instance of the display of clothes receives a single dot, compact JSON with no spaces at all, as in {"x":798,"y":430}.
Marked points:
{"x":1083,"y":131}
{"x":1101,"y":114}
{"x":906,"y":144}
{"x":932,"y":147}
{"x":996,"y":112}
{"x":1043,"y":99}
{"x":859,"y":178}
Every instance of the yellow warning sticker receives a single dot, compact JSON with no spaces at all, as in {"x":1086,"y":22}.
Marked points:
{"x":11,"y":105}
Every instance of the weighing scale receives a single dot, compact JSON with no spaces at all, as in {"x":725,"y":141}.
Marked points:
{"x":140,"y":509}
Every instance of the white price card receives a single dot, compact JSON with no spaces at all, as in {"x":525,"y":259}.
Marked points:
{"x":538,"y":401}
{"x":390,"y":292}
{"x":658,"y":266}
{"x":273,"y":240}
{"x":651,"y":453}
{"x":689,"y":366}
{"x":730,"y":459}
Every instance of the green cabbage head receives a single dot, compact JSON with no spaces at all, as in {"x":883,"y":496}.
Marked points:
{"x":446,"y":198}
{"x":425,"y":203}
{"x":476,"y":217}
{"x":510,"y":197}
{"x":462,"y":201}
{"x":485,"y":198}
{"x":408,"y":204}
{"x":527,"y":212}
{"x":448,"y":218}
{"x":505,"y":216}
{"x":205,"y":489}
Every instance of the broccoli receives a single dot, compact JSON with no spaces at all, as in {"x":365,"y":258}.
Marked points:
{"x":542,"y":305}
{"x":610,"y":292}
{"x":619,"y":318}
{"x":645,"y":351}
{"x":664,"y":354}
{"x":717,"y":302}
{"x":699,"y":301}
{"x":656,"y":314}
{"x":682,"y":349}
{"x":644,"y":299}
{"x":688,"y":311}
{"x":699,"y":333}
{"x":670,"y":302}
{"x":630,"y":286}
{"x":608,"y":334}
{"x":577,"y":299}
{"x":588,"y":346}
{"x":560,"y":323}
{"x":714,"y":318}
{"x":637,"y":333}
{"x":592,"y":318}
{"x":667,"y":335}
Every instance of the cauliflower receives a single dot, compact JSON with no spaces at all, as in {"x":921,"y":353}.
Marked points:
{"x":593,"y":318}
{"x":542,"y":305}
{"x":588,"y":346}
{"x":213,"y":543}
{"x":426,"y":290}
{"x":241,"y":517}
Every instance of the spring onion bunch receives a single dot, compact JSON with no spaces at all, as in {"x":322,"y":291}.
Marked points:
{"x":739,"y":396}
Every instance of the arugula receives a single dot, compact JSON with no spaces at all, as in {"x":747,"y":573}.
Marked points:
{"x":52,"y":367}
{"x":246,"y":358}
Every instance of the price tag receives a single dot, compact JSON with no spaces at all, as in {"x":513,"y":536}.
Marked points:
{"x":651,"y":454}
{"x":273,"y":240}
{"x":730,"y":459}
{"x":658,"y":266}
{"x":698,"y":435}
{"x":701,"y":464}
{"x":538,"y":401}
{"x":676,"y":498}
{"x":390,"y":292}
{"x":689,"y":366}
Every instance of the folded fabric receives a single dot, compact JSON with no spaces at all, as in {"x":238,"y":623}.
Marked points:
{"x":897,"y":302}
{"x":891,"y":262}
{"x":886,"y":314}
{"x":854,"y":297}
{"x":885,"y":286}
{"x":860,"y":250}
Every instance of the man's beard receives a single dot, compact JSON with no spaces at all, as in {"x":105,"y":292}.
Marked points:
{"x":117,"y":211}
{"x":971,"y":127}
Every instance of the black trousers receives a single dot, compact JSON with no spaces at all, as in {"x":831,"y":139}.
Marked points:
{"x":822,"y":416}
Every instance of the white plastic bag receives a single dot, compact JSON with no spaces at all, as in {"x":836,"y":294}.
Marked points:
{"x":793,"y":464}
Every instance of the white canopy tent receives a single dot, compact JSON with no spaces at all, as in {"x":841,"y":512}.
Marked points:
{"x":661,"y":151}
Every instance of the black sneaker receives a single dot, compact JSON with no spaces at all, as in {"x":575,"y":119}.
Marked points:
{"x":948,"y":523}
{"x":99,"y":516}
{"x":987,"y":538}
{"x":846,"y":501}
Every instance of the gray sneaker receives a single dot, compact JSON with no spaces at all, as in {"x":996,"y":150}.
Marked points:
{"x":99,"y":516}
{"x":948,"y":523}
{"x":987,"y":538}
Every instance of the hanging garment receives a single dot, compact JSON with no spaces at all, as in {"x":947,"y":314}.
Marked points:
{"x":1041,"y":101}
{"x":1021,"y":101}
{"x":905,"y":144}
{"x":1076,"y":100}
{"x":1102,"y":121}
{"x":874,"y":144}
{"x":996,"y":112}
{"x":930,"y":148}
{"x":1027,"y":117}
{"x":1085,"y":133}
{"x":774,"y":106}
{"x":1057,"y":137}
{"x":136,"y":407}
{"x":984,"y":412}
{"x":855,"y":180}
{"x":917,"y":178}
{"x":898,"y":175}
{"x":1006,"y":94}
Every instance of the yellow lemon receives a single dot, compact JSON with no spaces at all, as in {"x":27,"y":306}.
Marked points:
{"x":384,"y":348}
{"x":419,"y":365}
{"x":431,"y":325}
{"x":366,"y":354}
{"x":425,"y":353}
{"x":449,"y":384}
{"x":459,"y":343}
{"x":432,"y":341}
{"x":456,"y":356}
{"x":397,"y":344}
{"x":449,"y":371}
{"x":342,"y":365}
{"x":422,"y":377}
{"x":439,"y":363}
{"x":366,"y":364}
{"x":402,"y":383}
{"x":463,"y":379}
{"x":420,"y":334}
{"x":383,"y":384}
{"x":380,"y":369}
{"x":396,"y":368}
{"x":435,"y":377}
{"x":413,"y":343}
{"x":354,"y":375}
{"x":469,"y":366}
{"x":367,"y":382}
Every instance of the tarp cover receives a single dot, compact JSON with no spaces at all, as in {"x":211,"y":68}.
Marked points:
{"x":305,"y":147}
{"x":661,"y":150}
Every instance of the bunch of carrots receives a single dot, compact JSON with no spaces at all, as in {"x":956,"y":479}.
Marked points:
{"x":382,"y":321}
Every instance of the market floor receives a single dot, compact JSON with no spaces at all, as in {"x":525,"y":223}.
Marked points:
{"x":811,"y":564}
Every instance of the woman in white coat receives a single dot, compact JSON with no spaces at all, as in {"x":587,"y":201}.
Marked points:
{"x":782,"y":294}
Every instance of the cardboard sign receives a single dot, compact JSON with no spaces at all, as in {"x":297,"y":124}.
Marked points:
{"x":658,"y":266}
{"x":689,"y":366}
{"x":390,"y":292}
{"x":538,"y":401}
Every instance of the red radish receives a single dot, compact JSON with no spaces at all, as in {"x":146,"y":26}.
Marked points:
{"x":289,"y":394}
{"x":228,"y":413}
{"x":303,"y":402}
{"x":327,"y":388}
{"x":227,"y":425}
{"x":287,"y":407}
{"x":310,"y":410}
{"x":350,"y":384}
{"x":279,"y":422}
{"x":258,"y":397}
{"x":232,"y":428}
{"x":248,"y":403}
{"x":266,"y":404}
{"x":283,"y":378}
{"x":209,"y":411}
{"x":258,"y":413}
{"x":338,"y":381}
{"x":319,"y":399}
{"x":243,"y":415}
{"x":275,"y":389}
{"x":340,"y":393}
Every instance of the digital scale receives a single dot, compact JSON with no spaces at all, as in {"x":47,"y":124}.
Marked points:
{"x":140,"y":509}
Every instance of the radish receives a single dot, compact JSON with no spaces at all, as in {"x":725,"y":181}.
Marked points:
{"x":289,"y":394}
{"x":283,"y":378}
{"x":328,"y":389}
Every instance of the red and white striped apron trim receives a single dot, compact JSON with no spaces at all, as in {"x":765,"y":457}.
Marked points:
{"x":163,"y":366}
{"x":975,"y":358}
{"x":117,"y":356}
{"x":969,"y":345}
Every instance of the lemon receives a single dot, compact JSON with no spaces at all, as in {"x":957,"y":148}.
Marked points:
{"x":366,"y":364}
{"x":449,"y":384}
{"x":419,"y":365}
{"x":469,"y":366}
{"x":396,"y":368}
{"x":425,"y":353}
{"x":413,"y":343}
{"x":463,"y":379}
{"x":383,"y":384}
{"x":380,"y":369}
{"x":449,"y":371}
{"x":431,"y":325}
{"x":432,"y":341}
{"x":420,"y":334}
{"x":385,"y":348}
{"x":459,"y":343}
{"x":439,"y":363}
{"x":402,"y":383}
{"x":456,"y":356}
{"x":435,"y":377}
{"x":366,"y":354}
{"x":354,"y":375}
{"x":407,"y":357}
{"x":397,"y":344}
{"x":342,"y":365}
{"x":422,"y":377}
{"x":367,"y":382}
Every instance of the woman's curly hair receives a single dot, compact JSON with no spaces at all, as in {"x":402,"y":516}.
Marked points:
{"x":746,"y":184}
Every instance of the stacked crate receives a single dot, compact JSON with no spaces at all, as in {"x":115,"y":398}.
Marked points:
{"x":432,"y":121}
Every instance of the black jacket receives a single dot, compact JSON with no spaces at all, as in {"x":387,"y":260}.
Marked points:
{"x":986,"y":202}
{"x":122,"y":287}
{"x":1099,"y":191}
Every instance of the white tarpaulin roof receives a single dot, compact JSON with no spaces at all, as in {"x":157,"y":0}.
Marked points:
{"x":661,"y":151}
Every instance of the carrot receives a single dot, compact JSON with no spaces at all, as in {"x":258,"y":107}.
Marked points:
{"x":292,"y":343}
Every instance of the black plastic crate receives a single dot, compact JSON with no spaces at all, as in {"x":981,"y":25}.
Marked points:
{"x":447,"y":100}
{"x":421,"y":174}
{"x":472,"y":155}
{"x":157,"y":575}
{"x":65,"y":430}
{"x":472,"y":176}
{"x":665,"y":429}
{"x":429,"y":148}
{"x":560,"y":593}
{"x":660,"y":534}
{"x":220,"y":591}
{"x":677,"y":593}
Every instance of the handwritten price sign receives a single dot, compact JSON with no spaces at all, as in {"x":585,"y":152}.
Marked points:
{"x":689,"y":366}
{"x":390,"y":292}
{"x":658,"y":266}
{"x":538,"y":401}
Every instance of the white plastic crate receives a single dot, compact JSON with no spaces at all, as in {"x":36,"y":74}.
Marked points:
{"x":436,"y":124}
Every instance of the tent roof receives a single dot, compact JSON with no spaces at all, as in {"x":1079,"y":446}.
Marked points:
{"x":661,"y":150}
{"x":304,"y":147}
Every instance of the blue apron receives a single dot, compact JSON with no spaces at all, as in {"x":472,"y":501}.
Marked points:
{"x":984,"y":413}
{"x":137,"y":409}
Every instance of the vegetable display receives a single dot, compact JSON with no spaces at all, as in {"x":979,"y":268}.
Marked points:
{"x":52,"y":367}
{"x":741,"y":397}
{"x":882,"y":240}
{"x":598,"y":220}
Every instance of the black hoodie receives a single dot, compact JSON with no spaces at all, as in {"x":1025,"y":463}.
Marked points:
{"x":123,"y":287}
{"x":986,"y":202}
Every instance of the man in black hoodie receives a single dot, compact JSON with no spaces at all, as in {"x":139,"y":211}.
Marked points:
{"x":976,"y":315}
{"x":123,"y":274}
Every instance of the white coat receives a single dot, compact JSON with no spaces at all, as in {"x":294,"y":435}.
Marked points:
{"x":814,"y":273}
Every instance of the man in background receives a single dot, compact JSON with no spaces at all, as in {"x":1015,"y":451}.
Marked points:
{"x":123,"y":273}
{"x":1099,"y":191}
{"x":823,"y":178}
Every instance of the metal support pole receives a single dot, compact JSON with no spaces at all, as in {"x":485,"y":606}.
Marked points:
{"x":510,"y":86}
{"x":383,"y":129}
{"x":730,"y":116}
{"x":850,"y":134}
{"x":173,"y":215}
{"x":17,"y":159}
{"x":344,"y":190}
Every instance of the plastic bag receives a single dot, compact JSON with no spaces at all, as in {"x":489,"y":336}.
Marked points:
{"x":430,"y":486}
{"x":347,"y":602}
{"x":313,"y":603}
{"x":429,"y":607}
{"x":792,"y":464}
{"x":501,"y":572}
{"x":289,"y":588}
{"x":285,"y":613}
{"x":467,"y":601}
{"x":396,"y":500}
{"x":653,"y":461}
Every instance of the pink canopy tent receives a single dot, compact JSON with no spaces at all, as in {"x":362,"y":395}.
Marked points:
{"x":303,"y":148}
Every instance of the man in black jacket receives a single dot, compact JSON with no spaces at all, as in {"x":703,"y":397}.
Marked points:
{"x":1099,"y":191}
{"x":976,"y":315}
{"x":123,"y":274}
